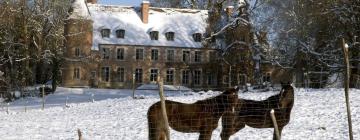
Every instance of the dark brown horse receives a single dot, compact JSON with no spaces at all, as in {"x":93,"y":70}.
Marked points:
{"x":202,"y":116}
{"x":256,"y":114}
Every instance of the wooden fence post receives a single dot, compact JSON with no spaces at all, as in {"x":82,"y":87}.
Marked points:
{"x":7,"y":108}
{"x":43,"y":97}
{"x":133,"y":85}
{"x":163,"y":107}
{"x":273,"y":118}
{"x":79,"y":134}
{"x":346,"y":84}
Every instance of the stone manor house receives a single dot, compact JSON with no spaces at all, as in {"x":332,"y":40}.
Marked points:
{"x":109,"y":46}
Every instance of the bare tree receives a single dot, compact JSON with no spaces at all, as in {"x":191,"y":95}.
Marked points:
{"x":31,"y":41}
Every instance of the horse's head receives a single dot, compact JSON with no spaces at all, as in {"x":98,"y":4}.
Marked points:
{"x":230,"y":98}
{"x":286,"y":95}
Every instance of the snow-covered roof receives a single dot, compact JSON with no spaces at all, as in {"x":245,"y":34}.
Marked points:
{"x":183,"y":22}
{"x":79,"y":10}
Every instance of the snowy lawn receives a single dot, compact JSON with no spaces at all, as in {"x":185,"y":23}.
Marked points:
{"x":317,"y":115}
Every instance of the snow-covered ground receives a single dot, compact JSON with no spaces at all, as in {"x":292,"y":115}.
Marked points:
{"x":317,"y":115}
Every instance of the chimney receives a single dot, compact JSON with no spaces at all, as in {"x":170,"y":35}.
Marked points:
{"x":91,"y":1}
{"x":229,"y":10}
{"x":145,"y":11}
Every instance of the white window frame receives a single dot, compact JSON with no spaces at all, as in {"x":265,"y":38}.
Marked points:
{"x":77,"y":52}
{"x":172,"y":76}
{"x":199,"y":76}
{"x":198,"y":59}
{"x":122,"y":33}
{"x":153,"y":76}
{"x":187,"y":78}
{"x":77,"y":73}
{"x":102,"y":33}
{"x":103,"y":75}
{"x":156,"y":57}
{"x":117,"y":53}
{"x":137,"y":79}
{"x":197,"y":37}
{"x":188,"y":59}
{"x":143,"y":53}
{"x":93,"y":75}
{"x":170,"y":36}
{"x":105,"y":55}
{"x":173,"y":55}
{"x":121,"y":78}
{"x":154,"y":35}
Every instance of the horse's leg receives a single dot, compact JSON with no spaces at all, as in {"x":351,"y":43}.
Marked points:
{"x":237,"y":127}
{"x":274,"y":136}
{"x":205,"y":135}
{"x":227,"y":126}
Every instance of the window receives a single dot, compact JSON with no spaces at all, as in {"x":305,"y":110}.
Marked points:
{"x":242,"y":79}
{"x":106,"y":53}
{"x":139,"y":54}
{"x":242,"y":57}
{"x":77,"y":52}
{"x":198,"y":55}
{"x":185,"y":77}
{"x":170,"y":76}
{"x":242,"y":38}
{"x":212,"y":56}
{"x":197,"y":77}
{"x":210,"y":79}
{"x":105,"y":74}
{"x":120,"y":53}
{"x":186,"y":56}
{"x":154,"y":35}
{"x":197,"y":37}
{"x":93,"y":75}
{"x":120,"y":33}
{"x":234,"y":77}
{"x":154,"y":54}
{"x":170,"y":36}
{"x":226,"y":79}
{"x":170,"y":55}
{"x":105,"y":33}
{"x":77,"y":73}
{"x":138,"y":75}
{"x":266,"y":77}
{"x":121,"y":74}
{"x":153,"y":75}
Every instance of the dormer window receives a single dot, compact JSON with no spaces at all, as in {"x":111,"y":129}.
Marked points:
{"x":154,"y":35}
{"x":120,"y":33}
{"x":170,"y":36}
{"x":197,"y":37}
{"x":105,"y":33}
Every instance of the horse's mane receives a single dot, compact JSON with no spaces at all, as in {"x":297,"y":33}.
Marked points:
{"x":210,"y":99}
{"x":212,"y":104}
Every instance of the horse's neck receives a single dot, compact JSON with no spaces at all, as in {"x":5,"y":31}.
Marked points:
{"x":211,"y":104}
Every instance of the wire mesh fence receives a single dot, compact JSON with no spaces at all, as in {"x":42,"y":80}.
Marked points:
{"x":254,"y":113}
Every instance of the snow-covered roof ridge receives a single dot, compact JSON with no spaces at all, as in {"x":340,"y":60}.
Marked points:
{"x":183,"y":22}
{"x":79,"y":10}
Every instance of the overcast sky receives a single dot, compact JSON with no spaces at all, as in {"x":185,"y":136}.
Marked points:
{"x":121,"y":2}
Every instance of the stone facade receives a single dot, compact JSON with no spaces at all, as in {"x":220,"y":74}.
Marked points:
{"x":116,"y":65}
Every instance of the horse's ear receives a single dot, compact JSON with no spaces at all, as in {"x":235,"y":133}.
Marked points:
{"x":237,"y":88}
